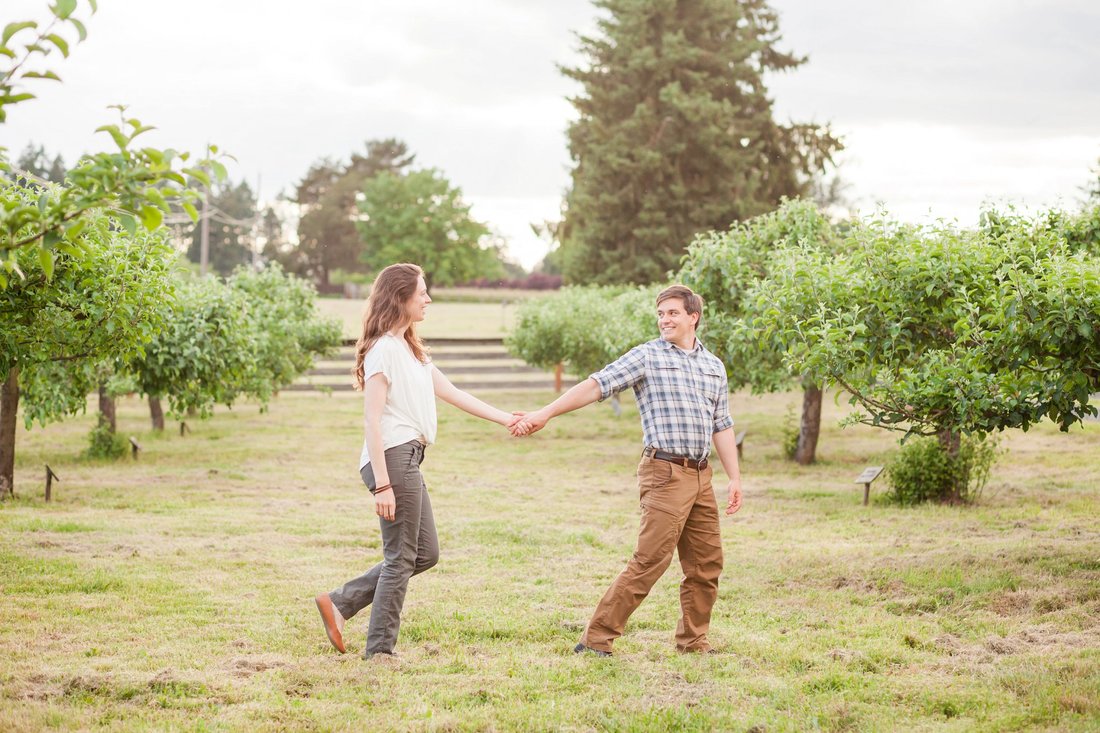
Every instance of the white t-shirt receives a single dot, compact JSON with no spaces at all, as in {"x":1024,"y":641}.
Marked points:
{"x":409,"y":413}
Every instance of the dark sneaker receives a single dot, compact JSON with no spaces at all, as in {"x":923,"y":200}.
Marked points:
{"x":581,"y":649}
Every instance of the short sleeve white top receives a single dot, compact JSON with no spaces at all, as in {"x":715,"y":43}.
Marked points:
{"x":409,"y":413}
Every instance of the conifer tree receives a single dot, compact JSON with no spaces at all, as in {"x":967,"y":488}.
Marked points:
{"x":676,"y":134}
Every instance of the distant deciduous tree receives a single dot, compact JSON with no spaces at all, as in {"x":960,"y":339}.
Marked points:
{"x":420,"y":217}
{"x":328,"y":194}
{"x":675,"y":134}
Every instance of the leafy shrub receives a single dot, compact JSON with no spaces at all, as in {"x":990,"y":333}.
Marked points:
{"x":585,"y":328}
{"x":924,"y":471}
{"x":102,"y":443}
{"x":791,"y":431}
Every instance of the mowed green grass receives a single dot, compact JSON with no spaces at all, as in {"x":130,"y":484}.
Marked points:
{"x":175,"y":592}
{"x":444,"y":320}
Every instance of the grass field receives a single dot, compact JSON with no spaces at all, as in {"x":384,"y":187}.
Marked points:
{"x":445,"y":320}
{"x":175,"y":592}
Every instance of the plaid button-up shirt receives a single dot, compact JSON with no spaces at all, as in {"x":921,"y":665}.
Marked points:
{"x":683,"y":396}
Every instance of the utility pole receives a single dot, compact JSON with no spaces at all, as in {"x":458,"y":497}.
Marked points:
{"x":204,"y":234}
{"x":258,"y":217}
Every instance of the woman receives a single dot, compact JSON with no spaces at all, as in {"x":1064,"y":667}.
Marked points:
{"x":399,"y":384}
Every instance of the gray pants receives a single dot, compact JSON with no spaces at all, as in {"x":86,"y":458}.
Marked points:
{"x":409,"y":547}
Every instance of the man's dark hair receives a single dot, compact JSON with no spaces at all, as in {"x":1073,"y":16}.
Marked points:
{"x":693,"y":303}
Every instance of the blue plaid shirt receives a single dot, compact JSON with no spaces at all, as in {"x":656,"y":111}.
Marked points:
{"x":683,"y":396}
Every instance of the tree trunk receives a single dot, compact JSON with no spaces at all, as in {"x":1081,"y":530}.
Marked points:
{"x":951,"y":442}
{"x":9,"y":409}
{"x":156,"y":413}
{"x":810,"y":427}
{"x":106,"y":409}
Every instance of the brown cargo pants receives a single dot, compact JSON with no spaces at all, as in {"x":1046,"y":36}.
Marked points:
{"x":678,"y":513}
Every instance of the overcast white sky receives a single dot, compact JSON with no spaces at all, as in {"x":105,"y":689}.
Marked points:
{"x":943,"y":104}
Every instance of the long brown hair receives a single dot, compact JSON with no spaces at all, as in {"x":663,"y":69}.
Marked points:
{"x":386,"y":311}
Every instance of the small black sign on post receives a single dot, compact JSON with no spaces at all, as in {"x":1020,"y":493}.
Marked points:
{"x":869,"y":474}
{"x":50,"y":478}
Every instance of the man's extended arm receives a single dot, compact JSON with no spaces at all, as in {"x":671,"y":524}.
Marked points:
{"x":579,"y":395}
{"x":726,"y":446}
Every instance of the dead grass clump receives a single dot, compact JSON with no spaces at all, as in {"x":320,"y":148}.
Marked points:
{"x":946,"y":643}
{"x":1050,"y":604}
{"x":1003,"y":645}
{"x":1080,"y":704}
{"x":1010,"y":603}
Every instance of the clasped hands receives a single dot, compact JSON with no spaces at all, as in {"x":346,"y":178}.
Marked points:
{"x":527,"y":423}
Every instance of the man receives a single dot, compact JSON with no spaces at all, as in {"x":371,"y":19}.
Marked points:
{"x":682,"y":395}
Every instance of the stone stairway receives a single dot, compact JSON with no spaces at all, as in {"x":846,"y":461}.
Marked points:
{"x":471,"y":364}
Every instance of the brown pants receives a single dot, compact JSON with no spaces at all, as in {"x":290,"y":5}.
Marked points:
{"x":678,"y":513}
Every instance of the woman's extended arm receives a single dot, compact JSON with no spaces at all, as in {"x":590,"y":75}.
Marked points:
{"x":466,"y":402}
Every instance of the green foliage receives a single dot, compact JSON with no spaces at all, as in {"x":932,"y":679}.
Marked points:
{"x":791,"y":431}
{"x":250,"y":336}
{"x":725,"y":268}
{"x":206,"y":352}
{"x":924,"y":471}
{"x":61,"y":324}
{"x":289,"y":331}
{"x":934,"y":329}
{"x":585,"y":328}
{"x":675,"y":135}
{"x":104,"y":444}
{"x":420,"y":217}
{"x":139,"y":183}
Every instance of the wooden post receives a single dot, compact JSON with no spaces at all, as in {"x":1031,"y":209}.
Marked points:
{"x":740,"y":442}
{"x":9,"y":408}
{"x":558,"y":373}
{"x":50,"y":477}
{"x":184,"y":428}
{"x":134,"y":447}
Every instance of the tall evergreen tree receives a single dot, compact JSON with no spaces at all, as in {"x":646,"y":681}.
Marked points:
{"x":676,"y":134}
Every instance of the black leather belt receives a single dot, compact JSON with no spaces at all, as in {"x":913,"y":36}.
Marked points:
{"x":660,"y":455}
